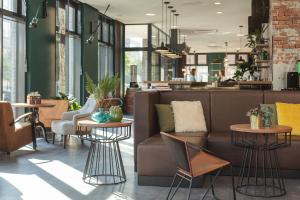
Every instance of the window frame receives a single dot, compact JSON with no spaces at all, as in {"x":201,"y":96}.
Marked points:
{"x":18,"y":18}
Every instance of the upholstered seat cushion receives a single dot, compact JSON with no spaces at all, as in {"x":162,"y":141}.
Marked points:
{"x":63,"y":127}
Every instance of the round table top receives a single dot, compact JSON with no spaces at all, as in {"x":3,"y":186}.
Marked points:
{"x":88,"y":123}
{"x":262,"y":130}
{"x":27,"y":105}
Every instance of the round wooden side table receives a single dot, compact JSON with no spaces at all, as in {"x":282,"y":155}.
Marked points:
{"x":259,"y":174}
{"x":104,"y":164}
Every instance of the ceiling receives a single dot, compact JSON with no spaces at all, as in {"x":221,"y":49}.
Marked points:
{"x":196,"y":16}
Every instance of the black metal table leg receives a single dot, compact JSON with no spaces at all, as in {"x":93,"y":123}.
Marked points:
{"x":262,"y":172}
{"x":104,"y":164}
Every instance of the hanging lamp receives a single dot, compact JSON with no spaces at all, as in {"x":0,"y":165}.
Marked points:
{"x":172,"y":53}
{"x":240,"y":60}
{"x":162,"y":48}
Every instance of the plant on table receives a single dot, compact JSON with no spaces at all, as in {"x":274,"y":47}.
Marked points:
{"x":103,"y":92}
{"x":255,"y":115}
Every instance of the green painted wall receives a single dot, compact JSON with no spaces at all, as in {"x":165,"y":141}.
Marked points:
{"x":40,"y":47}
{"x":89,"y":51}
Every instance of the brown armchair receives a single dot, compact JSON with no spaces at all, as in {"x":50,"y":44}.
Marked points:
{"x":13,"y":133}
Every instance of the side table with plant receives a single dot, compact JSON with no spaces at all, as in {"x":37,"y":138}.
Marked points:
{"x":104,"y":93}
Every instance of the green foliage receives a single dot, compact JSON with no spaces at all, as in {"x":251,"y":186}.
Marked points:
{"x":73,"y":104}
{"x":104,"y":89}
{"x":90,"y":87}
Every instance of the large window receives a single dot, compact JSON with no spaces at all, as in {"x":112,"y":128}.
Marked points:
{"x":68,"y":49}
{"x":105,"y":47}
{"x":12,"y":52}
{"x":136,"y":36}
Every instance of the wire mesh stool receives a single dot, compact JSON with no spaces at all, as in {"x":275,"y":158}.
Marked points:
{"x":104,"y":164}
{"x":259,"y":174}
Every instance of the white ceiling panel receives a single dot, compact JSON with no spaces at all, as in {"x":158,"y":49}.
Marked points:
{"x":196,"y":16}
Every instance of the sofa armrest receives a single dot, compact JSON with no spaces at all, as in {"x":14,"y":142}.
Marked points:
{"x":145,"y":119}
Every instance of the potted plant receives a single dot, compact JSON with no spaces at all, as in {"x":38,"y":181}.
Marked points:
{"x":104,"y":92}
{"x":255,"y":117}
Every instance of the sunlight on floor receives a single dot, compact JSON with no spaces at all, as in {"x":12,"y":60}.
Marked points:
{"x":33,"y":187}
{"x":64,"y":173}
{"x":118,"y":196}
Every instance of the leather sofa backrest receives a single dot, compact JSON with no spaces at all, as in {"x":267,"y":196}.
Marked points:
{"x":230,"y":107}
{"x":271,"y":97}
{"x":203,"y":96}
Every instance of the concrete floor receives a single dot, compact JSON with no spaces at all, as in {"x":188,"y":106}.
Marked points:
{"x":52,"y":172}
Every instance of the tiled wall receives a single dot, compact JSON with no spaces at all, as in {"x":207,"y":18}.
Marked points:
{"x":285,"y":19}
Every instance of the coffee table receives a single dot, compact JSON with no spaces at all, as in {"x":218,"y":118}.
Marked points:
{"x":35,"y":118}
{"x":104,"y":164}
{"x":259,"y":174}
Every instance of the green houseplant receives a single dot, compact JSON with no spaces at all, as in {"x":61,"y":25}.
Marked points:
{"x":102,"y":92}
{"x":73,"y":103}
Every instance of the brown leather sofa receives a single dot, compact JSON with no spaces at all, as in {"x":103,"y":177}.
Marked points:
{"x":221,"y":109}
{"x":13,"y":134}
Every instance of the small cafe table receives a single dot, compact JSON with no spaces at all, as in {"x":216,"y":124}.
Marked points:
{"x":35,"y":117}
{"x":104,"y":164}
{"x":259,"y":174}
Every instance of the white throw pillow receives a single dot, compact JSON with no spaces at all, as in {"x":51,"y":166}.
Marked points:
{"x":188,"y":116}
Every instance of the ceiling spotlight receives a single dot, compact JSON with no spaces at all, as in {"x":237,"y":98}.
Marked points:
{"x":217,"y":3}
{"x":219,"y":12}
{"x":150,"y":14}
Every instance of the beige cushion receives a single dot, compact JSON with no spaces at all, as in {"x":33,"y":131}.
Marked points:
{"x":188,"y":116}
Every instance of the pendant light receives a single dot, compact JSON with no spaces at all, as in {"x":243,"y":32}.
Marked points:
{"x":162,"y":48}
{"x":171,"y":54}
{"x":240,"y":60}
{"x":226,"y":56}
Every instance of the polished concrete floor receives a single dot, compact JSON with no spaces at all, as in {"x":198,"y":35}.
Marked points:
{"x":52,"y":172}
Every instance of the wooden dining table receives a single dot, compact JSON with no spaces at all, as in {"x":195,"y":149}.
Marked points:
{"x":35,"y":118}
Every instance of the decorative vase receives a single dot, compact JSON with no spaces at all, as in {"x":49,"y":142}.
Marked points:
{"x":254,"y":122}
{"x":116,"y":113}
{"x":101,"y":116}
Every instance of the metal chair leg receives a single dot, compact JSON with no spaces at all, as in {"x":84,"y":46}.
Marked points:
{"x":212,"y":183}
{"x":189,"y":191}
{"x":53,"y":138}
{"x":212,"y":188}
{"x":173,"y":181}
{"x":176,"y":189}
{"x":233,"y":185}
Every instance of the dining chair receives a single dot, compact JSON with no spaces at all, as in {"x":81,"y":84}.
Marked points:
{"x":192,"y":162}
{"x":49,"y":114}
{"x":14,"y":133}
{"x":68,"y":124}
